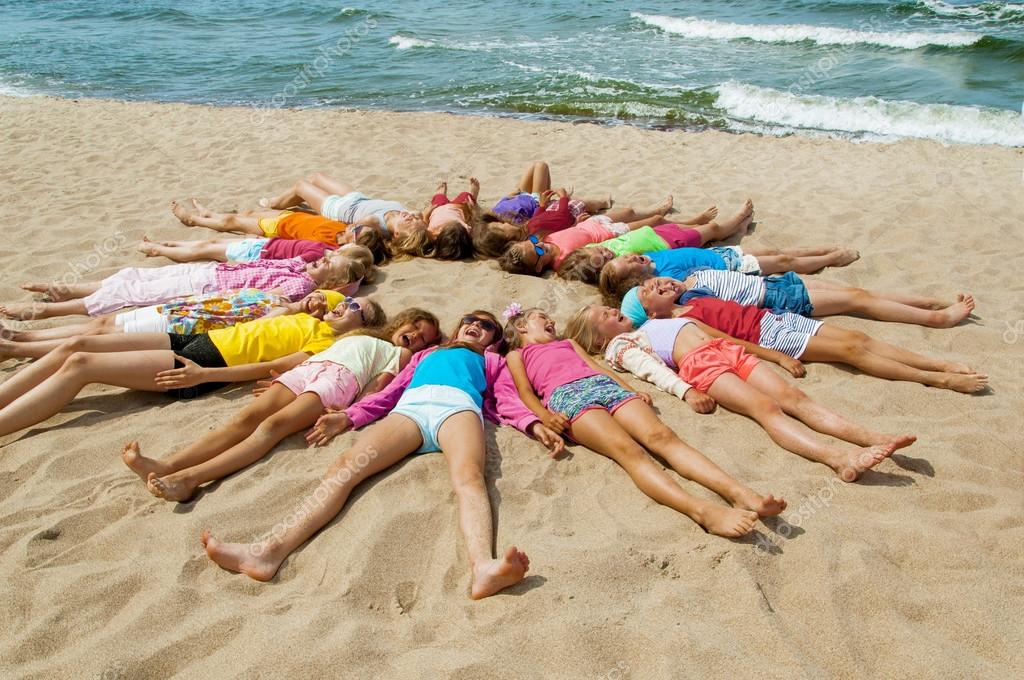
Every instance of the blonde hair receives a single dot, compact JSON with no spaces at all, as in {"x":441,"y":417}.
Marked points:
{"x":352,"y":270}
{"x":512,"y":339}
{"x":362,"y":255}
{"x":584,"y":331}
{"x":375,"y":318}
{"x":414,"y":244}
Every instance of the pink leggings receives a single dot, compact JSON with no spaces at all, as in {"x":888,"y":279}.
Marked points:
{"x":137,"y":287}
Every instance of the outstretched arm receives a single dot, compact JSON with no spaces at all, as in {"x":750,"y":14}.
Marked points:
{"x":192,"y":373}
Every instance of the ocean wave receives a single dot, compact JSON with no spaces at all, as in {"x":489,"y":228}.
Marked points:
{"x":871,"y":115}
{"x":988,"y":10}
{"x":404,"y":42}
{"x":692,"y":27}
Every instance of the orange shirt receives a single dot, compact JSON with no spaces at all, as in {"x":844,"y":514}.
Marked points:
{"x":307,"y":227}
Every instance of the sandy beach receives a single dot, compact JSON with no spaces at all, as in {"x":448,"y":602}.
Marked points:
{"x":913,"y":572}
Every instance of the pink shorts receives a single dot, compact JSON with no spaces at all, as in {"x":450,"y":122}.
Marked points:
{"x":706,"y":364}
{"x":677,"y":236}
{"x":142,"y":287}
{"x":333,"y":383}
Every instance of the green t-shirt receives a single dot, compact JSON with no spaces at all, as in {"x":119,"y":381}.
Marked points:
{"x":642,"y":240}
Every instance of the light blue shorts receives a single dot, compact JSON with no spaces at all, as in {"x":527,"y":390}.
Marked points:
{"x":245,"y":250}
{"x":429,"y":406}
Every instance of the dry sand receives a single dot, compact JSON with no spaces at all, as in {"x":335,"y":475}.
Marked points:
{"x":915,"y":572}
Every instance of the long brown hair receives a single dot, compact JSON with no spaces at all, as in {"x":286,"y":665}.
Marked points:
{"x":411,"y":315}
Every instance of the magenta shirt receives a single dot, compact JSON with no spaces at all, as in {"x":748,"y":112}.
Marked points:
{"x":553,"y":364}
{"x":286,"y":248}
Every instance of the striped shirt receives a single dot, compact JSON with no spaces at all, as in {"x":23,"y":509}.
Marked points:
{"x":740,"y":288}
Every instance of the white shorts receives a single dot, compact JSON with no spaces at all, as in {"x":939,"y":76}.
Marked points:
{"x":141,"y":320}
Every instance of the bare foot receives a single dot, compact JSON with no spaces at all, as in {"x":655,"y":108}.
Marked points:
{"x":494,"y":575}
{"x":26,"y":311}
{"x":706,"y":216}
{"x":850,"y":469}
{"x":728,"y":522}
{"x":442,"y":188}
{"x":139,"y":464}
{"x":263,"y":202}
{"x":846,"y":256}
{"x":955,"y":313}
{"x":200,"y":208}
{"x":147,"y":247}
{"x":764,"y":506}
{"x":169,"y":488}
{"x":183,"y":214}
{"x":474,"y":187}
{"x":242,"y":558}
{"x":899,"y":441}
{"x":665,"y":207}
{"x":54,"y":292}
{"x":968,"y":384}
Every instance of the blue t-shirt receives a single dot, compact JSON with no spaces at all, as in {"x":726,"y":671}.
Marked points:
{"x":456,"y":367}
{"x":680,"y":262}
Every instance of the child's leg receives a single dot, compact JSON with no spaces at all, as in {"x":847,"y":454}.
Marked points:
{"x":632,"y":214}
{"x":133,"y":370}
{"x":195,"y":251}
{"x":812,"y":251}
{"x":724,"y":229}
{"x":97,"y":326}
{"x":62,"y":292}
{"x":380,"y":447}
{"x":797,"y":404}
{"x":828,"y":301}
{"x":598,"y":431}
{"x":703,"y":218}
{"x":536,"y":179}
{"x":912,"y":299}
{"x":214,"y":443}
{"x":462,"y":439}
{"x":28,"y":311}
{"x":734,"y":394}
{"x":34,"y":374}
{"x":199,"y":216}
{"x":594,"y":206}
{"x":330,"y":185}
{"x":804,"y":264}
{"x":295,"y":417}
{"x":823,"y":348}
{"x":884,"y":349}
{"x":643,"y":424}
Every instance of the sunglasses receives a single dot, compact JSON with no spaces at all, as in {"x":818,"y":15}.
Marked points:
{"x":484,"y":323}
{"x":353,"y":305}
{"x":537,"y":248}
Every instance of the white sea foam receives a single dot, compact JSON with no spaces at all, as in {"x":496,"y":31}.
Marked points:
{"x":994,"y":10}
{"x":692,"y":27}
{"x":8,"y":90}
{"x":872,"y":116}
{"x":404,"y":42}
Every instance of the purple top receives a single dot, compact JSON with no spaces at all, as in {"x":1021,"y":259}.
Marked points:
{"x":550,"y":365}
{"x":286,"y":248}
{"x":518,"y":208}
{"x":662,"y":333}
{"x":501,"y":400}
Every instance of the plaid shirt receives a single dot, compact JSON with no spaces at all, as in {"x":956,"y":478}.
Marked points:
{"x":287,"y":276}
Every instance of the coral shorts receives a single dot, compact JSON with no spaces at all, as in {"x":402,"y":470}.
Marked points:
{"x":706,"y":364}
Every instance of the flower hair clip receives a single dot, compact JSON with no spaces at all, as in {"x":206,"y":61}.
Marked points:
{"x":513,"y":310}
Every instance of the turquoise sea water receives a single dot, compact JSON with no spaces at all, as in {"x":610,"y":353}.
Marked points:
{"x":952,"y":71}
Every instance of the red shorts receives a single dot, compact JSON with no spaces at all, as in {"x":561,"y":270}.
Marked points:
{"x":440,"y":199}
{"x":704,"y":365}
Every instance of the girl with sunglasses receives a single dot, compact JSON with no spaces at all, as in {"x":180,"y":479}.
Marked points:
{"x":570,"y":393}
{"x":436,"y":403}
{"x":359,"y":363}
{"x":183,"y":366}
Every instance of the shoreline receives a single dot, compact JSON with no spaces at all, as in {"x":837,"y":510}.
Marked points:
{"x":637,"y":122}
{"x":920,"y":552}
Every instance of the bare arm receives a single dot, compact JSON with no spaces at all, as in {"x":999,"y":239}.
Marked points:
{"x":193,"y":374}
{"x":523,"y":386}
{"x":378,"y":383}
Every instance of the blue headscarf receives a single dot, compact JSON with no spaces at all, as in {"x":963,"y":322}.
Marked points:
{"x":632,"y":308}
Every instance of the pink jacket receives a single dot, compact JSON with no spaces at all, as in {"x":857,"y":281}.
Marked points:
{"x":502,"y":404}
